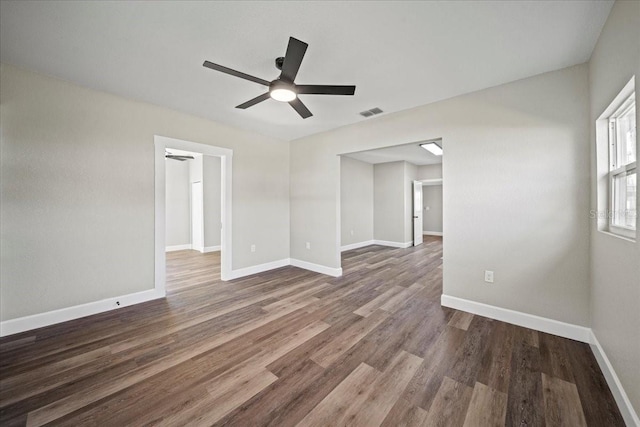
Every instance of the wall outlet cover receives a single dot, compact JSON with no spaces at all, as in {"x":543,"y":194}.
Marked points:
{"x":488,"y":276}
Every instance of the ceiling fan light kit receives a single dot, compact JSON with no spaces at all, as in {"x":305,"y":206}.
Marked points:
{"x":282,"y":92}
{"x":283,"y":88}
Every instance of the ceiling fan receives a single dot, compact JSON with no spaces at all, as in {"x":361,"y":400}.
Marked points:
{"x":283,"y":88}
{"x":178,"y":157}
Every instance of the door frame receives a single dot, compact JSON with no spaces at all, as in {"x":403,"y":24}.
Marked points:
{"x":226,"y":161}
{"x":434,"y":182}
{"x":437,"y":181}
{"x":417,"y":188}
{"x":197,"y":216}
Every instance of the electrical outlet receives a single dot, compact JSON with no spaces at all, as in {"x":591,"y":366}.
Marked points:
{"x":352,"y":232}
{"x":308,"y":245}
{"x":253,"y":248}
{"x":488,"y":276}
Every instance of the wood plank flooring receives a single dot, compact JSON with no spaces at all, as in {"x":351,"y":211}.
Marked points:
{"x":291,"y":347}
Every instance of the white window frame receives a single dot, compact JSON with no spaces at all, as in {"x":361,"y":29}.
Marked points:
{"x":619,"y":170}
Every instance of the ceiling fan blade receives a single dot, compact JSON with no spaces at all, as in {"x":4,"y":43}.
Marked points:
{"x":254,"y":101}
{"x":325,"y":90}
{"x":293,"y":59}
{"x":235,"y":73}
{"x":177,"y":157}
{"x":300,"y":108}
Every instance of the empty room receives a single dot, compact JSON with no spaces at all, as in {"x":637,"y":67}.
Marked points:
{"x":319,"y":213}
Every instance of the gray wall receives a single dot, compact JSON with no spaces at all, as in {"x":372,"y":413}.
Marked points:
{"x":179,"y":176}
{"x":615,"y":263}
{"x":88,"y":219}
{"x":389,"y":201}
{"x":178,"y":212}
{"x":432,"y":198}
{"x":376,"y":201}
{"x":525,"y":220}
{"x":207,"y":169}
{"x":430,"y":171}
{"x":356,"y":201}
{"x":212,"y":203}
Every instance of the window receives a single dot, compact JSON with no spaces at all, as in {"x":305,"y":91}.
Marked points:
{"x":623,"y":175}
{"x":616,"y":166}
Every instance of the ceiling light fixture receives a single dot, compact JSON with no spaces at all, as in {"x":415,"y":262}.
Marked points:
{"x":281,"y":91}
{"x":433,"y":148}
{"x":283,"y":95}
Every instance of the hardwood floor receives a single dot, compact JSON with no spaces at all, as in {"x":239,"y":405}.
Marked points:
{"x":291,"y":347}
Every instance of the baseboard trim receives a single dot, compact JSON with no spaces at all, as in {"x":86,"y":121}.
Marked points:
{"x":543,"y":324}
{"x":624,"y":404}
{"x":400,"y":245}
{"x":178,"y":247}
{"x":329,"y":271}
{"x":205,"y":249}
{"x":432,"y":233}
{"x":356,"y":245}
{"x":27,"y":323}
{"x":260,"y":268}
{"x":566,"y":330}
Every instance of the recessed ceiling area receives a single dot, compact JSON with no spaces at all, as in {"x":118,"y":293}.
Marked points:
{"x":411,"y":153}
{"x":399,"y":54}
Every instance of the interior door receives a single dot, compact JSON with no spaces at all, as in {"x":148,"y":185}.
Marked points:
{"x":197,"y":217}
{"x":417,"y":213}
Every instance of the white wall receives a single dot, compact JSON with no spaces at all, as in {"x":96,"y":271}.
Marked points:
{"x":207,"y":169}
{"x":430,"y":171}
{"x":212,"y":188}
{"x":76,"y":225}
{"x":178,"y":212}
{"x":389,"y":202}
{"x":356,"y":201}
{"x":615,"y":263}
{"x":432,"y":199}
{"x":410,"y":175}
{"x":179,"y":177}
{"x":195,"y":168}
{"x":516,"y":171}
{"x":196,"y":175}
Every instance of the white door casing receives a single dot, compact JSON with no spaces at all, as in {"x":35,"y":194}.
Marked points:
{"x":417,"y":213}
{"x":226,"y":157}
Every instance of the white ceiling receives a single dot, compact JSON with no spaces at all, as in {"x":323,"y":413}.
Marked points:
{"x":399,"y":54}
{"x":411,"y":153}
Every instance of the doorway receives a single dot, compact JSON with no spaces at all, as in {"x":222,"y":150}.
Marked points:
{"x":197,"y":217}
{"x":161,"y":144}
{"x":427,"y":209}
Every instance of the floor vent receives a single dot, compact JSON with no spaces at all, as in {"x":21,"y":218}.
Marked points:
{"x":371,"y":112}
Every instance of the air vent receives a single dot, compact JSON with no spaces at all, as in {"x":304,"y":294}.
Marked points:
{"x":371,"y":112}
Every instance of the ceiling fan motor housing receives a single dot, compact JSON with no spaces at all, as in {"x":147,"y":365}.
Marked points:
{"x":282,"y":84}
